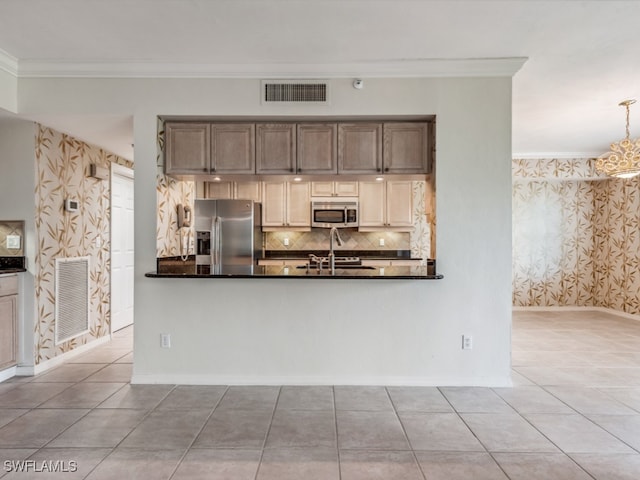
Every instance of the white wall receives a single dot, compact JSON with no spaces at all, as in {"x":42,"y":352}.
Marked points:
{"x":17,"y":202}
{"x":374,"y":332}
{"x":8,"y":91}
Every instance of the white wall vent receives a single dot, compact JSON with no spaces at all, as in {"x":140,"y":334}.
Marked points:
{"x":72,"y":298}
{"x":295,"y":91}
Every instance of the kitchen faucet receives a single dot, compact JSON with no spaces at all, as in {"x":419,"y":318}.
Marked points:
{"x":332,"y":258}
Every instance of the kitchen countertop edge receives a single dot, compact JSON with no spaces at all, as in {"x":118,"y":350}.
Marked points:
{"x":437,"y":276}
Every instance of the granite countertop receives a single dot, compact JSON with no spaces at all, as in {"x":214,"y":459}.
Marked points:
{"x":10,"y":264}
{"x":173,"y":267}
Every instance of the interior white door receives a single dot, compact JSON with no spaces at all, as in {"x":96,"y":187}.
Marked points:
{"x":121,"y":248}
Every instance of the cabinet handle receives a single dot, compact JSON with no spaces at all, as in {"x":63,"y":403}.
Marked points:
{"x":386,"y":169}
{"x":292,"y":170}
{"x":378,"y":169}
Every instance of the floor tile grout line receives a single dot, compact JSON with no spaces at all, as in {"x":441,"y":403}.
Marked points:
{"x":546,"y":437}
{"x":335,"y":421}
{"x":264,"y":442}
{"x":195,"y":438}
{"x":406,"y":436}
{"x":591,"y":421}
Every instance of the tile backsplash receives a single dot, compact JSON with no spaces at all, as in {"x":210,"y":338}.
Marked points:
{"x":11,"y":231}
{"x":318,"y":239}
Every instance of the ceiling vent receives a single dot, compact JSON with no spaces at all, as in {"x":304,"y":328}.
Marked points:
{"x":314,"y":92}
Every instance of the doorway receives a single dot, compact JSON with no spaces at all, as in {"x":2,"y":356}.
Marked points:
{"x":122,"y":247}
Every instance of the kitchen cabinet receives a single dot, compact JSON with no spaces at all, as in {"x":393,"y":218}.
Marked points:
{"x":233,"y":148}
{"x":406,"y":148}
{"x":386,"y":205}
{"x":317,"y":146}
{"x":334,"y":189}
{"x":276,"y":148}
{"x":232,"y":190}
{"x":359,"y":148}
{"x":286,"y":205}
{"x":187,"y":148}
{"x":8,"y":321}
{"x":209,"y":148}
{"x":248,"y":191}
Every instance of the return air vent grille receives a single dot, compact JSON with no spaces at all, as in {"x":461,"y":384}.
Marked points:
{"x":295,"y":91}
{"x":72,"y":298}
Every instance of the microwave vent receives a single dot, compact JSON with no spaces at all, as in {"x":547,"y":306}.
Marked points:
{"x":295,"y":91}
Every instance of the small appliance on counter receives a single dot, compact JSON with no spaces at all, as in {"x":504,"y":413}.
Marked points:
{"x":228,"y":236}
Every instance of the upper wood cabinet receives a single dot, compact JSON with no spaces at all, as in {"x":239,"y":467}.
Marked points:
{"x":406,"y":148}
{"x":286,"y":205}
{"x":233,"y":190}
{"x":385,"y":205}
{"x":187,"y":148}
{"x":359,"y":148}
{"x":204,"y":148}
{"x":334,"y":189}
{"x":233,"y":148}
{"x":314,"y":148}
{"x":317,"y":148}
{"x":275,"y":148}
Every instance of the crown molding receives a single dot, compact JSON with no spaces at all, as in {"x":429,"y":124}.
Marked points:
{"x":426,"y":67}
{"x":8,"y":63}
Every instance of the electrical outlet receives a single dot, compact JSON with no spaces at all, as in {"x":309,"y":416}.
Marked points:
{"x":13,"y":242}
{"x":381,"y":242}
{"x":467,"y":342}
{"x":165,"y":340}
{"x":286,"y":241}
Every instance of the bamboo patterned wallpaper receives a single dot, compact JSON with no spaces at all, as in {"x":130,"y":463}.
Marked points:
{"x":576,"y":236}
{"x":62,"y":166}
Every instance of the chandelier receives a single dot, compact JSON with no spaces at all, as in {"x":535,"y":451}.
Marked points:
{"x":623,"y":161}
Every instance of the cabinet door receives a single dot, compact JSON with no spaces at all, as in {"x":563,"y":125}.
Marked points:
{"x":299,"y":204}
{"x":360,"y":148}
{"x":275,"y":148}
{"x":345,"y":189}
{"x":219,"y":190}
{"x":372,"y":204}
{"x":233,"y":148}
{"x":399,"y":204}
{"x":273,"y":204}
{"x":406,"y":147}
{"x":248,"y":191}
{"x":187,"y":148}
{"x":8,"y":331}
{"x":317,"y":148}
{"x":321,"y":189}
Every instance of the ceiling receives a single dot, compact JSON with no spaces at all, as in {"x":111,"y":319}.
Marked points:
{"x":582,"y":56}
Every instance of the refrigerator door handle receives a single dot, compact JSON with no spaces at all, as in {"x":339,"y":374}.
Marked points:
{"x":216,"y":251}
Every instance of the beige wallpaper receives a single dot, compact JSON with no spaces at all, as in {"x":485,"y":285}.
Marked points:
{"x":576,"y":238}
{"x":62,"y":166}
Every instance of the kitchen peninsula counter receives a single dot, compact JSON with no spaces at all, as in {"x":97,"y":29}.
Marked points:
{"x":172,"y":268}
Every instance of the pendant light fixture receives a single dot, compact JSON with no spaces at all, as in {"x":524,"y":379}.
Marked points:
{"x":623,"y":161}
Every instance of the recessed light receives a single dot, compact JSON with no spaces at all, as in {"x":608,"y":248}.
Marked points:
{"x":297,"y":179}
{"x":379,"y":179}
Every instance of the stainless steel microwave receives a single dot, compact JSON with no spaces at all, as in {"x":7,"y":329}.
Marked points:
{"x":334,"y":212}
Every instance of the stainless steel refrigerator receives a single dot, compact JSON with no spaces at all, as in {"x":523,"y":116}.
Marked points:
{"x":228,"y":236}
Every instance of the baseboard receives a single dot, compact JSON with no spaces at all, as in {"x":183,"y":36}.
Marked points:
{"x":207,"y":379}
{"x":30,"y":370}
{"x":574,"y":308}
{"x":7,"y":373}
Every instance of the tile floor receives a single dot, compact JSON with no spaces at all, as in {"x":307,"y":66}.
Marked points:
{"x":574,"y":413}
